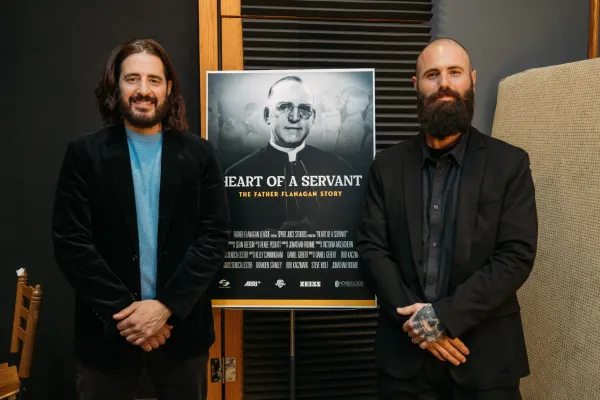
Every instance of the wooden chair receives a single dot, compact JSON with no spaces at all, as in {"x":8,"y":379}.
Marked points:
{"x":27,"y":309}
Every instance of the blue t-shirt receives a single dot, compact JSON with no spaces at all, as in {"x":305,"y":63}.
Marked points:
{"x":145,"y":153}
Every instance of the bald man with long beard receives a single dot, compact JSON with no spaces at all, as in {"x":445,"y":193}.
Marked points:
{"x":447,"y":237}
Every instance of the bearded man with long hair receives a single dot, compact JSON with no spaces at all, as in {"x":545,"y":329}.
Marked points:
{"x":140,"y":228}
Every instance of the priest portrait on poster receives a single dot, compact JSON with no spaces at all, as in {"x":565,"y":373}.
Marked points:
{"x":295,"y":148}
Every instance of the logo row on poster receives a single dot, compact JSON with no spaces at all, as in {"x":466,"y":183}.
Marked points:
{"x":280,"y":283}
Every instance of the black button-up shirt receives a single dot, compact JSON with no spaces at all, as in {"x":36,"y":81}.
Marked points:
{"x":440,"y":181}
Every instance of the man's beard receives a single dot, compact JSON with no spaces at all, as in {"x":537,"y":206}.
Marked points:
{"x":444,"y":118}
{"x":144,"y":120}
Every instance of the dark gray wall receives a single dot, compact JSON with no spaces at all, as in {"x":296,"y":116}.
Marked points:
{"x":51,"y":56}
{"x":509,"y":36}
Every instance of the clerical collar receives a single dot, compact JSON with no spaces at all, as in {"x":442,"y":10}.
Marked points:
{"x":292,"y":153}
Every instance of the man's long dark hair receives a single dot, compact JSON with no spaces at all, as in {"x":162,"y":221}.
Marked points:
{"x":108,"y":94}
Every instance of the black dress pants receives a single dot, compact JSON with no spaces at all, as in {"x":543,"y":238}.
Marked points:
{"x":434,"y":382}
{"x":173,"y":380}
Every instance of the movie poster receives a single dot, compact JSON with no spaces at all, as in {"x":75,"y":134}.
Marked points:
{"x":295,"y":148}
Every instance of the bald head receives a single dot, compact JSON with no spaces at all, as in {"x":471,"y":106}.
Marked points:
{"x":290,"y":111}
{"x":288,"y":85}
{"x":445,"y":85}
{"x":446,"y":48}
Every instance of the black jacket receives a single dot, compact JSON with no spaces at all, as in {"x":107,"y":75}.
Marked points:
{"x":495,"y":247}
{"x":277,"y":213}
{"x":94,"y":229}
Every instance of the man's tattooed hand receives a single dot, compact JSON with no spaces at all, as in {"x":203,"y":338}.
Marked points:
{"x":426,"y":323}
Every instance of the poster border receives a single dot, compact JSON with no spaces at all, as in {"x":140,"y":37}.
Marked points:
{"x":289,"y":304}
{"x":294,"y":304}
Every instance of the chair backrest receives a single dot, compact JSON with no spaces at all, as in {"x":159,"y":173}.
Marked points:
{"x":554,"y":114}
{"x":27,"y":310}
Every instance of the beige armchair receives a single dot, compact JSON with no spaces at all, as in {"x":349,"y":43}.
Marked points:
{"x":554,"y":114}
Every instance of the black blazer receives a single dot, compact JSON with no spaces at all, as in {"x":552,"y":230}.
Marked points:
{"x":95,"y":236}
{"x":495,"y":248}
